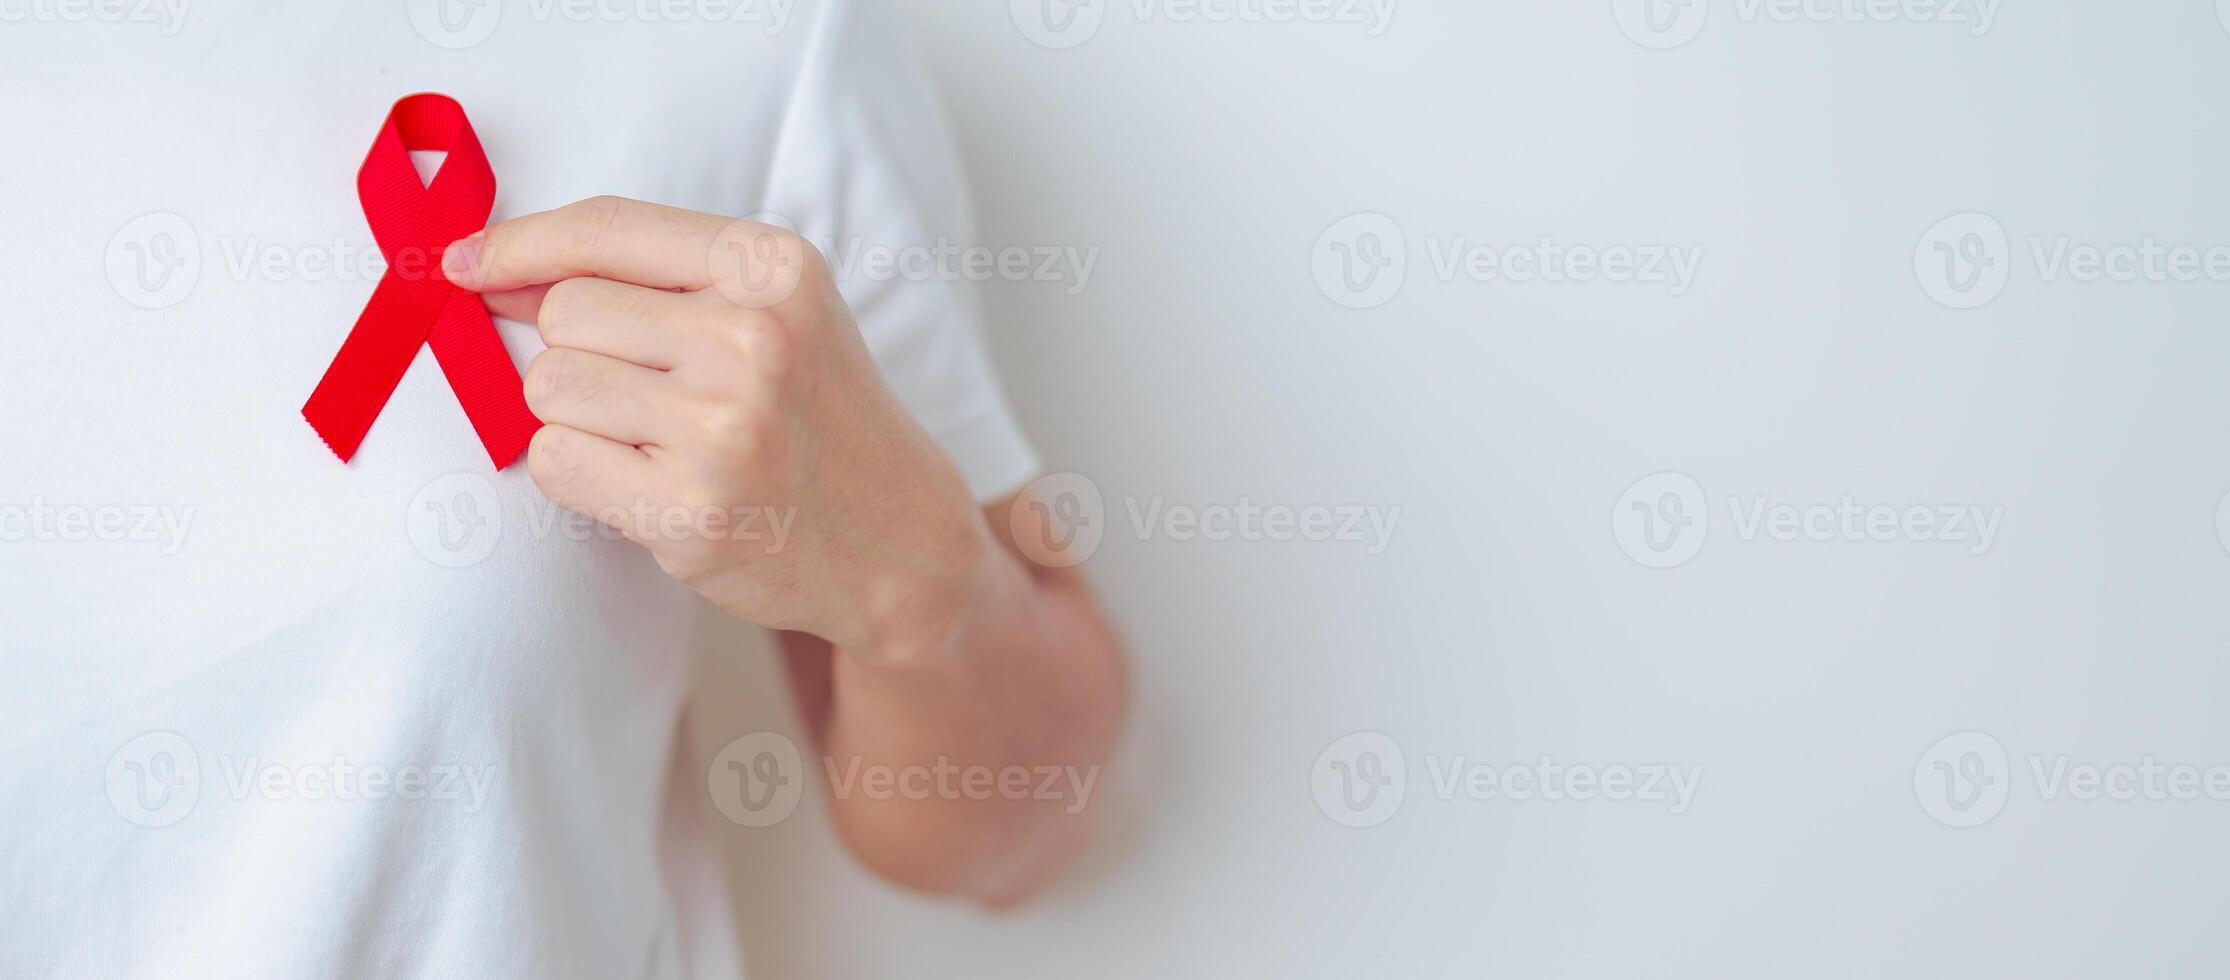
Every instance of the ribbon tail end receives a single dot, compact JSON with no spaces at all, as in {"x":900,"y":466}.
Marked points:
{"x":345,"y":450}
{"x":505,"y":450}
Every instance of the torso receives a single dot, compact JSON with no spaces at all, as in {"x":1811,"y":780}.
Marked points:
{"x":240,"y":601}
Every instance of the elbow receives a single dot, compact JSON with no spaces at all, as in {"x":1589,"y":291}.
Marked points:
{"x":998,"y":860}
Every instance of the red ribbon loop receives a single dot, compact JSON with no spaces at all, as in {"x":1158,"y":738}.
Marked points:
{"x":414,"y":302}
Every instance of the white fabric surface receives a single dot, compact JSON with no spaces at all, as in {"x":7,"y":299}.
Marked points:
{"x":213,"y":634}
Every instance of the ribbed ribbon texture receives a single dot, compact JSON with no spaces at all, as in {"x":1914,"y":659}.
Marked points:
{"x":414,"y":302}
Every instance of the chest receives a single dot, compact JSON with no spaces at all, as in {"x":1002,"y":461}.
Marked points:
{"x":184,"y":253}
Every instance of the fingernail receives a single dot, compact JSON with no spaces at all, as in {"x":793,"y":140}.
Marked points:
{"x":461,"y":262}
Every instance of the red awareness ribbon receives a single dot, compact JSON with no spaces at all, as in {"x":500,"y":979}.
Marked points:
{"x":414,"y":302}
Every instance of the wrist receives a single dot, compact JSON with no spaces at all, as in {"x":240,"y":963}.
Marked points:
{"x":921,"y":612}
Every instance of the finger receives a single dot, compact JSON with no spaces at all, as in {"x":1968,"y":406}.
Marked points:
{"x":758,"y":266}
{"x":591,"y":475}
{"x":608,"y":237}
{"x":604,"y":396}
{"x":651,"y":327}
{"x":516,"y":304}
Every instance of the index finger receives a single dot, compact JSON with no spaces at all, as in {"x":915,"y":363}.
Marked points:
{"x":605,"y":237}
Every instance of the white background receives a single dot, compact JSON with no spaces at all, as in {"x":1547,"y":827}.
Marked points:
{"x":1810,"y":361}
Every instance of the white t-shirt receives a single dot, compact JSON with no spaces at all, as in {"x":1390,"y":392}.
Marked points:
{"x":266,"y":714}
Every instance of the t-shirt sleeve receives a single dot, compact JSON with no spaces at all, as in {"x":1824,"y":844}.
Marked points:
{"x":865,"y":167}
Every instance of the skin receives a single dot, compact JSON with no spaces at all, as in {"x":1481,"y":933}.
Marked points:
{"x":699,"y":365}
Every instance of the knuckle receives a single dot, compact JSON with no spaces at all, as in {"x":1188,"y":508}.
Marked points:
{"x":802,"y":265}
{"x":739,"y":339}
{"x":639,"y":310}
{"x":552,"y":463}
{"x":542,"y":382}
{"x":734,"y":427}
{"x":761,"y":336}
{"x":777,"y":243}
{"x":593,"y":220}
{"x":759,"y":265}
{"x":773,"y":238}
{"x":560,"y":375}
{"x":561,"y":306}
{"x":769,"y":344}
{"x":811,"y":263}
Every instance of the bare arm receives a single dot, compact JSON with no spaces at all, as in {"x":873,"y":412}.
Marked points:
{"x":1028,"y":687}
{"x":702,"y":371}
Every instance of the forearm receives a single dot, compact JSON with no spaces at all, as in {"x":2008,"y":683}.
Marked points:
{"x":708,"y":389}
{"x":992,"y":722}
